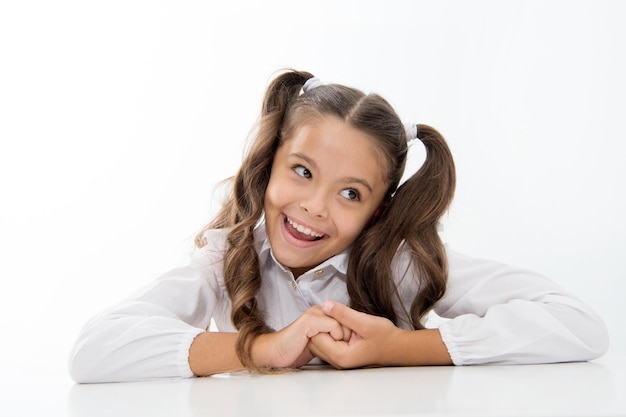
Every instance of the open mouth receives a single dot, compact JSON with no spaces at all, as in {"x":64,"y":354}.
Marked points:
{"x":301,"y":232}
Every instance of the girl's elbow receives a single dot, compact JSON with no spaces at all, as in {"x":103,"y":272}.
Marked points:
{"x":87,"y":363}
{"x":78,"y":372}
{"x":599,"y":341}
{"x":593,"y":335}
{"x":80,"y":369}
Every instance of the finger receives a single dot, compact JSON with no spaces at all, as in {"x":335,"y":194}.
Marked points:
{"x":348,"y":317}
{"x":323,"y":346}
{"x":317,"y":323}
{"x":347,"y":333}
{"x":335,"y":332}
{"x":329,"y":350}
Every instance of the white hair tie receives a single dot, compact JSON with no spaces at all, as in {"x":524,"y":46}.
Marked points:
{"x":416,"y":155}
{"x":311,"y":83}
{"x":411,"y":131}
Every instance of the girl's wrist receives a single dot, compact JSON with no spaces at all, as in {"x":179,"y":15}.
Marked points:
{"x":416,"y":347}
{"x":259,"y":351}
{"x":396,"y":348}
{"x":266,"y":353}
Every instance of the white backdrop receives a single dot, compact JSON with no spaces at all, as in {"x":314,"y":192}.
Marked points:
{"x":118,"y":118}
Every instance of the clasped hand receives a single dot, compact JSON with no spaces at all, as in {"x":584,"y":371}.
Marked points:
{"x":333,"y":332}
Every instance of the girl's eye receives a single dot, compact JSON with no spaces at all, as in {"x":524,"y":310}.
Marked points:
{"x":302,"y":171}
{"x":351,"y":194}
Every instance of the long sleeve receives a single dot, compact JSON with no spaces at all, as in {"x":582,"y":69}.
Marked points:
{"x":148,"y":335}
{"x":506,"y":315}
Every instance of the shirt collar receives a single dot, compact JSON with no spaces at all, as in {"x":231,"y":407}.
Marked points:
{"x":264,"y":250}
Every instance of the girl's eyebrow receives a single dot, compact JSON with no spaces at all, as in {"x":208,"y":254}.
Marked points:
{"x":364,"y":183}
{"x":306,"y":159}
{"x":347,"y":180}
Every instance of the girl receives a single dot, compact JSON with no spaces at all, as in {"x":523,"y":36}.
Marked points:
{"x":320,"y":254}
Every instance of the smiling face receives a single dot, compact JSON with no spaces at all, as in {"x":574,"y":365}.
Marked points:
{"x":327,"y":180}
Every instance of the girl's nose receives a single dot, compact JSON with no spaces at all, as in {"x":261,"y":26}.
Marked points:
{"x":315,"y":205}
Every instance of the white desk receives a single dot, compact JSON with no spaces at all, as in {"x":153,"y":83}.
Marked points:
{"x":576,"y":389}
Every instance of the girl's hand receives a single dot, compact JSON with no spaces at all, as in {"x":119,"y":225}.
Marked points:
{"x":376,"y":341}
{"x":368,"y":342}
{"x":289,"y":347}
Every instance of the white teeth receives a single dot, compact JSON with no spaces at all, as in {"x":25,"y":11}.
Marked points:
{"x":303,"y":229}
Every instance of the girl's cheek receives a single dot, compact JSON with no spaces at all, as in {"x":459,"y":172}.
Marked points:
{"x":352,"y":225}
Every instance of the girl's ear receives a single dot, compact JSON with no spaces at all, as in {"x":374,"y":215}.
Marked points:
{"x":379,"y":211}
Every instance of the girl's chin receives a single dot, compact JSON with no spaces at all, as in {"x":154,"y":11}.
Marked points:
{"x":296,"y":258}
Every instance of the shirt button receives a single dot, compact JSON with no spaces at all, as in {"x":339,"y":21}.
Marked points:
{"x":319,"y":272}
{"x":293,"y":284}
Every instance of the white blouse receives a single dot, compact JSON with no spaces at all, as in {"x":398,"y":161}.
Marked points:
{"x":491,"y":313}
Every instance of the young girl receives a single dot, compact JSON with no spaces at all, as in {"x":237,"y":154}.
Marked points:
{"x":319,"y":254}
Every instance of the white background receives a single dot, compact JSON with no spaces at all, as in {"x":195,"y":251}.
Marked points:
{"x":119,"y":118}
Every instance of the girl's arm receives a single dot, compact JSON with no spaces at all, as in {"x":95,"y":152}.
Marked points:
{"x":493,"y":313}
{"x":147,"y":336}
{"x":212,"y":353}
{"x":507,"y":315}
{"x":161,"y":333}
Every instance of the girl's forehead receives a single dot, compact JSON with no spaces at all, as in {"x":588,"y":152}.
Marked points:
{"x":329,"y":126}
{"x":331,"y":133}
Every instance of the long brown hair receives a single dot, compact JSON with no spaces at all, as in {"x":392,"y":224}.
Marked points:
{"x":411,"y":218}
{"x":411,"y":214}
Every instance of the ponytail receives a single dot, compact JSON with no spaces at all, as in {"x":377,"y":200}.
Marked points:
{"x":411,"y":217}
{"x":243,"y":209}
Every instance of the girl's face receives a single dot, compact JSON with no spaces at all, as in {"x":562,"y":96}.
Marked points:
{"x":326,"y":182}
